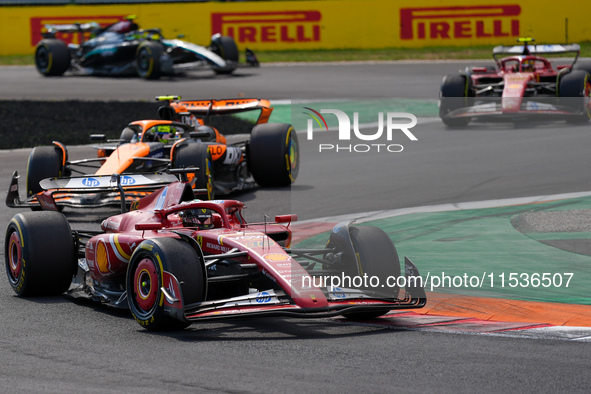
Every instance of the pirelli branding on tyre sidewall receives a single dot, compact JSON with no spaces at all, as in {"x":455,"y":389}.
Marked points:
{"x":284,"y":25}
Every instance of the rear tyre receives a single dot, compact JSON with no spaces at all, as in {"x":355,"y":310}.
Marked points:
{"x":197,"y":155}
{"x":39,"y":253}
{"x":127,"y":135}
{"x":377,"y":257}
{"x":225,"y":47}
{"x":273,"y":154}
{"x":145,"y":279}
{"x":583,"y":65}
{"x":147,"y":59}
{"x":52,"y":57}
{"x":576,"y":88}
{"x":44,"y":162}
{"x":454,"y":93}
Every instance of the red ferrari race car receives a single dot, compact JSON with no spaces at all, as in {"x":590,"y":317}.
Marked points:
{"x":266,"y":154}
{"x":174,"y":260}
{"x":519,"y":85}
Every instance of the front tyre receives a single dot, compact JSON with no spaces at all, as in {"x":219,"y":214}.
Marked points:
{"x":575,"y":87}
{"x":454,"y":93}
{"x":39,"y":253}
{"x":147,"y":59}
{"x":144,"y":281}
{"x":225,"y":47}
{"x":52,"y":57}
{"x":376,"y":257}
{"x":274,"y":154}
{"x":44,"y":162}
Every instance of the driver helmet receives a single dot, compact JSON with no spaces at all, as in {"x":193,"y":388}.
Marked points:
{"x":162,"y":133}
{"x":198,"y":217}
{"x":528,"y":65}
{"x":123,"y":27}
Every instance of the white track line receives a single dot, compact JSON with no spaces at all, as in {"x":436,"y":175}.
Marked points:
{"x":376,"y":215}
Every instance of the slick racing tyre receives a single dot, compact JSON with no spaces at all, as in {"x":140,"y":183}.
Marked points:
{"x":377,"y":257}
{"x":39,"y":253}
{"x":147,"y":59}
{"x":575,"y":88}
{"x":225,"y":47}
{"x":197,"y":155}
{"x":273,"y":154}
{"x":127,"y":135}
{"x":52,"y":57}
{"x":44,"y":162}
{"x":454,"y":93}
{"x":144,"y":282}
{"x":583,"y":65}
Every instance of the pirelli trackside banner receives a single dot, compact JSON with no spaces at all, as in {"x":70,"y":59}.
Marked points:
{"x":281,"y":25}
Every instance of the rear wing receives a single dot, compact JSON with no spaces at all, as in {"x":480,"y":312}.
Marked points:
{"x":204,"y":108}
{"x":98,"y":183}
{"x":109,"y":190}
{"x":533,"y":49}
{"x":537,"y":49}
{"x":51,"y":30}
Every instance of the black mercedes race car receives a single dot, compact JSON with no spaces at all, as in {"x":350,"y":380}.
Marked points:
{"x":123,"y":49}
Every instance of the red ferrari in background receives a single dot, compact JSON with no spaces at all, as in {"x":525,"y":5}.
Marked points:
{"x":520,"y":85}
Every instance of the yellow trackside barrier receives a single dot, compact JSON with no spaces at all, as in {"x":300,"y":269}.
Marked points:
{"x":281,"y":25}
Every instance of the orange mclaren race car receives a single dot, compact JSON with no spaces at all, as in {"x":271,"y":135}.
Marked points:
{"x":187,"y":136}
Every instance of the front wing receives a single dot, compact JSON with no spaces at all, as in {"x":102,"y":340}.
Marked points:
{"x":277,"y":303}
{"x":534,"y":107}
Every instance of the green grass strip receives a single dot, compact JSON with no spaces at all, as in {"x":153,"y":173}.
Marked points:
{"x":367,"y":109}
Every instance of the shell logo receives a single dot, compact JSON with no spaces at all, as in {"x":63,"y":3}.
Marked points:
{"x":276,"y":257}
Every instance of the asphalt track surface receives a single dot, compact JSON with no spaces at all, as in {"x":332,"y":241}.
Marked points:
{"x":57,"y":344}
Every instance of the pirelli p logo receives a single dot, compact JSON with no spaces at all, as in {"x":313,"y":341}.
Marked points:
{"x":268,"y":27}
{"x":460,"y":22}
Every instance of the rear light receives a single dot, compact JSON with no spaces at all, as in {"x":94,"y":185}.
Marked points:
{"x":101,"y":153}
